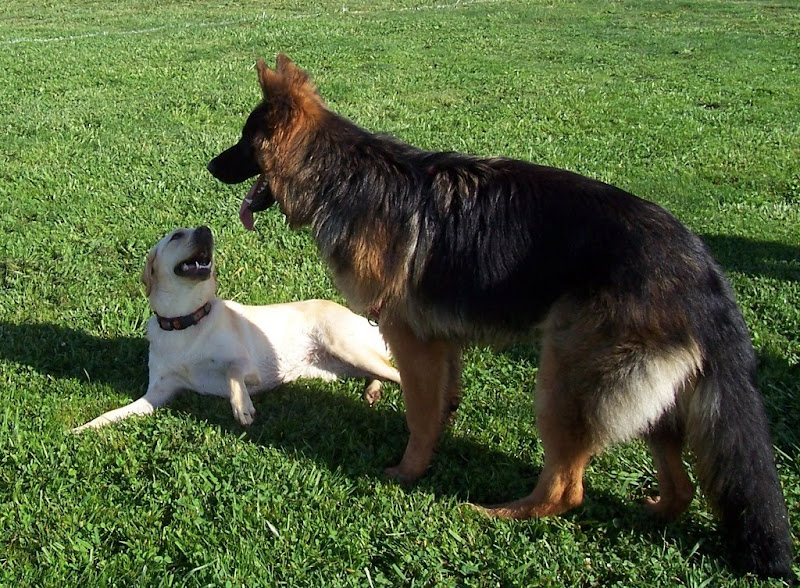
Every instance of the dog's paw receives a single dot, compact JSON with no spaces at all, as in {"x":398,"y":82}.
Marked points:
{"x":479,"y":508}
{"x":245,"y":414}
{"x":372,"y":393}
{"x":403,"y":474}
{"x":95,"y":424}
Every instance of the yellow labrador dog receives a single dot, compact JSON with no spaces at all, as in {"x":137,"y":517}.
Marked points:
{"x":218,"y":347}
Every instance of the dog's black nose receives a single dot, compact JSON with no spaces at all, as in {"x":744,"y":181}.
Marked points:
{"x":202,"y":237}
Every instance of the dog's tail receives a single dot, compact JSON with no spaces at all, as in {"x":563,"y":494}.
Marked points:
{"x":727,"y":429}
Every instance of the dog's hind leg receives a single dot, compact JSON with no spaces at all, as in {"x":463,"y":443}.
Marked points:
{"x":593,"y":391}
{"x":367,"y":355}
{"x":372,"y":392}
{"x":674,"y":486}
{"x":425,"y":374}
{"x":366,"y":352}
{"x":369,"y":362}
{"x":567,"y":443}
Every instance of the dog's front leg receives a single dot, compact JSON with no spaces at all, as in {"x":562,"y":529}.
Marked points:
{"x":158,"y":394}
{"x":425,"y":372}
{"x":243,"y":409}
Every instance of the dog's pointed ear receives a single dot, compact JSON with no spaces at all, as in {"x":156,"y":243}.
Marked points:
{"x":288,"y":89}
{"x":268,"y":79}
{"x":149,"y":272}
{"x":293,"y":74}
{"x":282,"y":63}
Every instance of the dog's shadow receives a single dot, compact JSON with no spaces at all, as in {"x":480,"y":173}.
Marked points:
{"x":334,"y":429}
{"x":339,"y":432}
{"x":342,"y":434}
{"x":65,"y":353}
{"x":754,"y":257}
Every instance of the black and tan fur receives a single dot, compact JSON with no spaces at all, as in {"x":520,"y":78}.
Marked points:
{"x":640,"y":332}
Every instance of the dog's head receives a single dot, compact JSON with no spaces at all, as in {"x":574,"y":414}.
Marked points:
{"x":179,"y":271}
{"x":271,"y":135}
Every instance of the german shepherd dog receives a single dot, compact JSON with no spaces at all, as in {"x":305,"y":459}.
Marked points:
{"x":640,"y":332}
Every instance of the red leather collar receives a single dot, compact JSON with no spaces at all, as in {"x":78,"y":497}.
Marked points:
{"x":179,"y":323}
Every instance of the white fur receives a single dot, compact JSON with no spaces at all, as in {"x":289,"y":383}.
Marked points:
{"x":240,"y":350}
{"x":645,"y":394}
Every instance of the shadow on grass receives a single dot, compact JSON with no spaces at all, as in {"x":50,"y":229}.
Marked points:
{"x":341,"y":434}
{"x":756,"y":258}
{"x":778,"y":379}
{"x":338,"y":431}
{"x":62,"y":352}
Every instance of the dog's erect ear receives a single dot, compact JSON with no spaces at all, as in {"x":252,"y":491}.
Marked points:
{"x":149,"y":272}
{"x":269,"y":79}
{"x":282,"y":63}
{"x":297,"y":79}
{"x":288,"y":88}
{"x":287,"y":68}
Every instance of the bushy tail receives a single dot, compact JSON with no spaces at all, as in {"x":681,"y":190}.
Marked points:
{"x":727,"y":429}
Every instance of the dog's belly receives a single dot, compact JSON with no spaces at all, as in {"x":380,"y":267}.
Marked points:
{"x":289,"y":367}
{"x":267,"y":379}
{"x":209,"y":381}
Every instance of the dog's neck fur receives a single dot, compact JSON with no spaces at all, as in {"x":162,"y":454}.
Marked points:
{"x":182,"y":300}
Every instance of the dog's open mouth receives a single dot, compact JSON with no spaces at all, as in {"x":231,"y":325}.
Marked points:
{"x":197,"y":266}
{"x":258,"y":198}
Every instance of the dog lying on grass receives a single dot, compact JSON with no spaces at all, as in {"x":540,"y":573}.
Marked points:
{"x":222,"y":348}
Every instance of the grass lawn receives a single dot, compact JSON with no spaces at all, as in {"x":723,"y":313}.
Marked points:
{"x":110,"y":111}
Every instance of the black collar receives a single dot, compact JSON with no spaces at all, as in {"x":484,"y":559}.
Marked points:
{"x":179,"y":323}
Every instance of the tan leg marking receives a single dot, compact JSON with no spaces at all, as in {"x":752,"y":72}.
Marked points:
{"x":567,"y":448}
{"x":675,"y":489}
{"x":424,"y":374}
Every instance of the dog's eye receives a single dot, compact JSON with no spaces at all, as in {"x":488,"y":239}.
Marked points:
{"x":176,"y":236}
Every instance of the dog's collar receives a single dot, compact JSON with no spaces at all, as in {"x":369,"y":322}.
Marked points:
{"x":374,"y":313}
{"x":179,"y":323}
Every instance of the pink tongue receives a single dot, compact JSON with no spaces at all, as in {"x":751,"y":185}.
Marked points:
{"x":245,"y":214}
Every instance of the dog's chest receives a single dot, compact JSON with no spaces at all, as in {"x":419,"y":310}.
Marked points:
{"x":263,"y":347}
{"x":202,"y":364}
{"x":210,"y":378}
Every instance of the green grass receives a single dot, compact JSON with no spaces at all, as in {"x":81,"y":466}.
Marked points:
{"x":110,"y":111}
